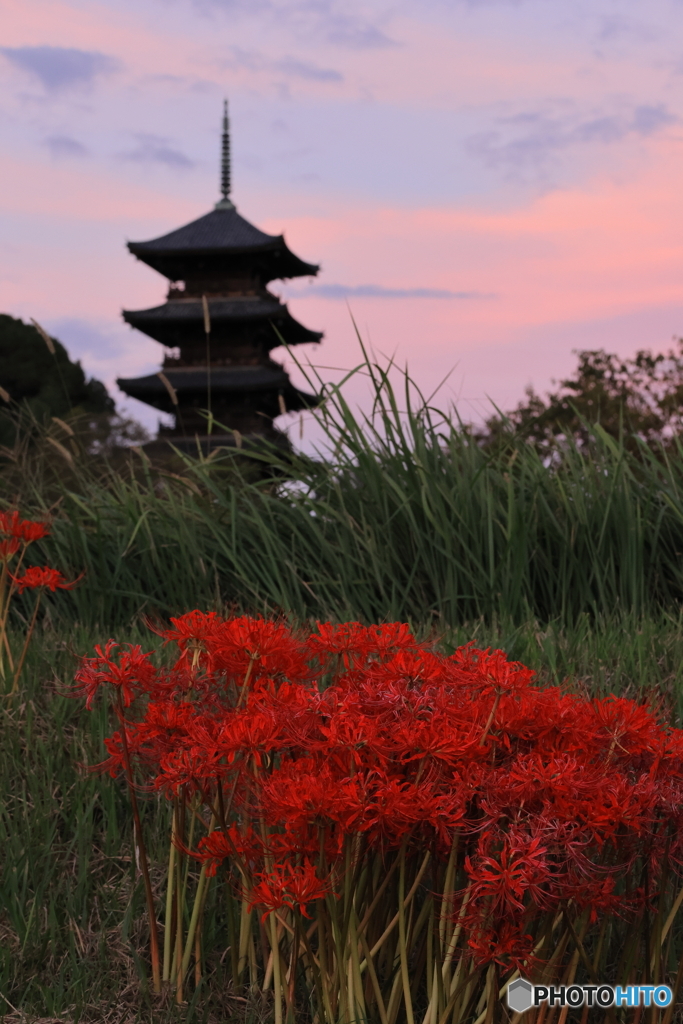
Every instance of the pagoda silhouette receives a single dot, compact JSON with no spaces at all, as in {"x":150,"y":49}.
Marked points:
{"x":220,"y":383}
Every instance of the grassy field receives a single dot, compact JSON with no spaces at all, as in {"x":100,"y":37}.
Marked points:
{"x":405,"y":519}
{"x":574,"y":568}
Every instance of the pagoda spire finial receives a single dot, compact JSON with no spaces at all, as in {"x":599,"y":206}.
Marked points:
{"x":225,"y":203}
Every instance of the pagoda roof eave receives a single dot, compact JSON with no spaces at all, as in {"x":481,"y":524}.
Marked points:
{"x":160,"y":322}
{"x":283,"y":263}
{"x":219,"y":234}
{"x":189,"y":382}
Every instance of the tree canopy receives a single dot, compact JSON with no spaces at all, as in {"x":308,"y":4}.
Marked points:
{"x":51,"y":384}
{"x":42,"y":383}
{"x":640,"y":397}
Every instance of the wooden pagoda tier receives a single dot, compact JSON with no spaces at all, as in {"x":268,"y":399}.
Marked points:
{"x":242,"y":325}
{"x":218,"y":267}
{"x":244,"y":398}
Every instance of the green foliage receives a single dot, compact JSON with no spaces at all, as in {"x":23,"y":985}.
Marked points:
{"x":407,"y":518}
{"x":51,"y":385}
{"x":639,"y":398}
{"x":43,"y":385}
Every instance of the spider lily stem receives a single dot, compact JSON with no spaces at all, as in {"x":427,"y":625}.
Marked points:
{"x":139,"y":839}
{"x":27,"y":641}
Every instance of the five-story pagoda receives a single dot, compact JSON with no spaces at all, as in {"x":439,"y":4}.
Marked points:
{"x":223,"y":323}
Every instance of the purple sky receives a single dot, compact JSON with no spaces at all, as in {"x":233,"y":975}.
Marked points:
{"x":488,"y":184}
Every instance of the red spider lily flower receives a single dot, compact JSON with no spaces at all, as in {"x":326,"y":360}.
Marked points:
{"x":542,"y":782}
{"x":166,"y":727}
{"x":619,"y":803}
{"x":312,"y":792}
{"x":131,"y":675}
{"x":115,"y":764}
{"x":239,"y":646}
{"x":10,"y":523}
{"x":407,"y":668}
{"x":192,"y":632}
{"x":248,"y":732}
{"x":507,"y":877}
{"x":305,"y":841}
{"x":231,"y":844}
{"x":395,"y":808}
{"x":258,"y":647}
{"x":8,"y":548}
{"x":288,"y":886}
{"x":45,"y":577}
{"x":293,"y":706}
{"x":506,"y":945}
{"x":30,"y":531}
{"x":493,"y":671}
{"x":188,"y":769}
{"x":631,"y":727}
{"x":441,"y":739}
{"x":357,"y":643}
{"x":599,"y":895}
{"x":23,"y":529}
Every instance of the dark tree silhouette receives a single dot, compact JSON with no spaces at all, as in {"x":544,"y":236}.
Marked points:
{"x":43,"y":384}
{"x":641,"y":397}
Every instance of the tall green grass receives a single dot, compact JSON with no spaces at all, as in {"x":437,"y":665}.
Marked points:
{"x":405,"y":517}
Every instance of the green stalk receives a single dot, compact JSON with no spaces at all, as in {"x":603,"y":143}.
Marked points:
{"x":453,"y":942}
{"x":355,"y":966}
{"x":578,"y":943}
{"x":323,"y":931}
{"x":338,"y":947}
{"x":182,"y":875}
{"x":373,"y":979}
{"x":395,"y":919}
{"x":319,"y":982}
{"x":426,"y":911}
{"x":672,"y":915}
{"x":290,"y":988}
{"x":277,"y":985}
{"x":438,"y":967}
{"x":29,"y":634}
{"x":144,"y":867}
{"x":244,"y":931}
{"x":394,"y":1003}
{"x":232,"y":937}
{"x":430,"y":973}
{"x":168,"y":932}
{"x":253,"y":970}
{"x":668,"y":1016}
{"x":492,"y":994}
{"x":350,"y":991}
{"x":196,"y":911}
{"x":402,"y":937}
{"x":4,"y":597}
{"x":447,"y":901}
{"x":378,"y":895}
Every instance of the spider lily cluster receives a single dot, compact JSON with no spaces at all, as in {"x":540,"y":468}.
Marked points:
{"x":398,"y":833}
{"x":16,"y":534}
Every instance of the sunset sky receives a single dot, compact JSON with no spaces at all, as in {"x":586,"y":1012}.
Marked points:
{"x":487,"y":184}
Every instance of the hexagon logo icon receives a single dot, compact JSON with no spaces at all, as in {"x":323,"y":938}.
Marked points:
{"x":520,"y":995}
